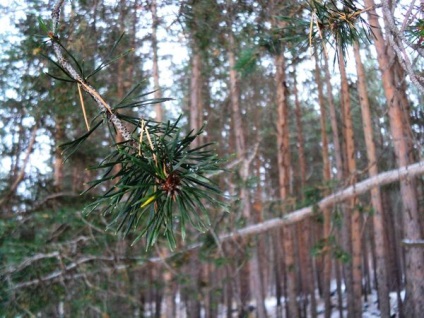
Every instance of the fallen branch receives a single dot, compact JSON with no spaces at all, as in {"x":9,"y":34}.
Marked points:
{"x":354,"y":190}
{"x":413,"y":243}
{"x":293,"y":217}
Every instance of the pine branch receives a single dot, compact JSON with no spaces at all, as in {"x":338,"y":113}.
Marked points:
{"x":64,"y":63}
{"x":397,"y":41}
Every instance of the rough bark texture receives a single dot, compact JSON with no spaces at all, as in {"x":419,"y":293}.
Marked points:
{"x":414,"y":257}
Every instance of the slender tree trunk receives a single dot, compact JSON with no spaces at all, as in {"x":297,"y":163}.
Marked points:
{"x":326,"y":174}
{"x":339,"y":288}
{"x":58,"y":157}
{"x":352,"y":219}
{"x":194,"y":266}
{"x":378,"y":217}
{"x":283,"y":144}
{"x":240,"y":143}
{"x":333,"y":119}
{"x":196,"y":107}
{"x":155,"y":66}
{"x":278,"y":270}
{"x":300,"y":139}
{"x":414,"y":257}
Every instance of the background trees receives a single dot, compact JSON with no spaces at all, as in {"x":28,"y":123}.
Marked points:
{"x":277,"y":103}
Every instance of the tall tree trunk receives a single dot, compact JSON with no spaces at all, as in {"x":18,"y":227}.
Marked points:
{"x":414,"y":256}
{"x":326,"y":174}
{"x":240,"y":143}
{"x":378,"y":217}
{"x":283,"y":146}
{"x":155,"y":66}
{"x":352,"y":219}
{"x":196,"y":104}
{"x":300,"y":138}
{"x":333,"y":119}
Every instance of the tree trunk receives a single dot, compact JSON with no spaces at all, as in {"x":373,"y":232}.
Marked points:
{"x":244,"y":171}
{"x":414,"y":257}
{"x":196,"y":107}
{"x":352,"y":219}
{"x":333,"y":119}
{"x":326,"y":174}
{"x":300,"y":139}
{"x":155,"y":66}
{"x":283,"y":146}
{"x":58,"y":157}
{"x":378,"y":217}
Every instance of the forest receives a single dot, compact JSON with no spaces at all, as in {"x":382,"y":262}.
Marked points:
{"x":212,"y":158}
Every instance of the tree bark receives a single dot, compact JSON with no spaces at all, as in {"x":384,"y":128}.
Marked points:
{"x":58,"y":157}
{"x":155,"y":66}
{"x":352,"y":220}
{"x":326,"y":174}
{"x":196,"y":95}
{"x":414,"y":257}
{"x":283,"y":153}
{"x":378,"y":217}
{"x":240,"y":143}
{"x":300,"y":138}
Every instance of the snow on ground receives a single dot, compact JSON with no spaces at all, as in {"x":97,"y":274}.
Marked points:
{"x":369,"y":307}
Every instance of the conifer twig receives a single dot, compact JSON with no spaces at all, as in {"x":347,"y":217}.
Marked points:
{"x":64,"y":63}
{"x":83,"y":107}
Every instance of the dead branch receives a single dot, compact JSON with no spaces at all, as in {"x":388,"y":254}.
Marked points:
{"x":256,"y":229}
{"x":20,"y":177}
{"x":349,"y":192}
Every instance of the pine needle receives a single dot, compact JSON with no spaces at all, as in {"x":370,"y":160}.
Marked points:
{"x":83,"y":107}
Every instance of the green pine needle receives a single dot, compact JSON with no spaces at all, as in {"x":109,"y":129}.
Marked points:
{"x":159,"y":187}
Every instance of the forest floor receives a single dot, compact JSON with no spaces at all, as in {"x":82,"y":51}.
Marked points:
{"x":369,"y":307}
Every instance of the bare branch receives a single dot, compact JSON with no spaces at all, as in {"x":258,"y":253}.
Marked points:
{"x":21,"y":173}
{"x":414,"y":243}
{"x":255,"y":229}
{"x":397,"y":41}
{"x":63,"y":273}
{"x":29,"y":261}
